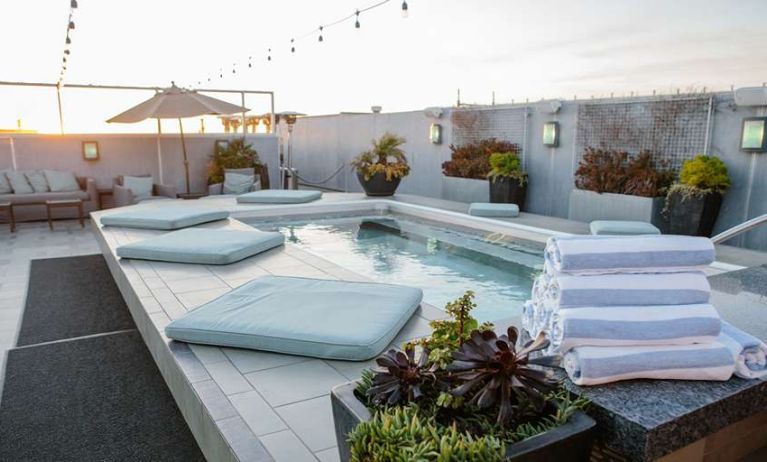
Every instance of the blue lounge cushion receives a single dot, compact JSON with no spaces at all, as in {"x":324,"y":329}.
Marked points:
{"x":202,"y":246}
{"x":165,"y":218}
{"x":487,"y":209}
{"x":309,"y":317}
{"x":279,"y":196}
{"x":621,"y":228}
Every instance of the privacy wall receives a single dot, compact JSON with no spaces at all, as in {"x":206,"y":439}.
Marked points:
{"x":674,"y":128}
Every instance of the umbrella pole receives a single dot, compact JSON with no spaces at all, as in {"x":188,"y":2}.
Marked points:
{"x":183,"y":149}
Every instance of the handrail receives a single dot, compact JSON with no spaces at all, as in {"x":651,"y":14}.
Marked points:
{"x":739,"y":229}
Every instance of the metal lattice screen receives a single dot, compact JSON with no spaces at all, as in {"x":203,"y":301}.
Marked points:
{"x":673,"y":130}
{"x":471,"y":125}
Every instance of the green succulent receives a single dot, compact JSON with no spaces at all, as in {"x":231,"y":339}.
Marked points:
{"x":506,"y":165}
{"x":706,"y":173}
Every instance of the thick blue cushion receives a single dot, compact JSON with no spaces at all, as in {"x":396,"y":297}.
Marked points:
{"x":202,"y":246}
{"x":279,"y":196}
{"x":621,"y":228}
{"x":487,"y":209}
{"x":309,"y":317}
{"x":163,"y":217}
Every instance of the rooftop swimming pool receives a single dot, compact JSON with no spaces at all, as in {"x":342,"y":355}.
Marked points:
{"x":441,"y":259}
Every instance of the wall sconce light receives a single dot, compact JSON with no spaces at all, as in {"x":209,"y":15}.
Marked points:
{"x":551,"y":134}
{"x":435,"y":134}
{"x":90,"y":150}
{"x":753,"y":137}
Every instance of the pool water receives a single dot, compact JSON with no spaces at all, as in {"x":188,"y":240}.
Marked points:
{"x":441,"y":260}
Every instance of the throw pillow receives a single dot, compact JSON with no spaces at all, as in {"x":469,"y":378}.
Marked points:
{"x":61,"y":181}
{"x":235,"y":183}
{"x":37,"y":181}
{"x":5,"y":185}
{"x":19,"y":182}
{"x":140,"y":186}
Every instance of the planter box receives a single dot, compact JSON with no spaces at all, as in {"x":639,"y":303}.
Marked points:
{"x":465,"y":189}
{"x":569,"y":442}
{"x":693,"y":216}
{"x":507,"y":190}
{"x":589,"y":206}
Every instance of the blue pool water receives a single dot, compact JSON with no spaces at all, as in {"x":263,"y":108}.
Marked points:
{"x":443,"y":261}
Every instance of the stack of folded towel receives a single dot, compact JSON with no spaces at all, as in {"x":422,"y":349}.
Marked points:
{"x":623,"y":308}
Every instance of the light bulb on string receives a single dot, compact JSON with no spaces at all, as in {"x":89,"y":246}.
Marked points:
{"x":404,"y":9}
{"x":269,"y":57}
{"x":250,"y":64}
{"x":292,"y":46}
{"x":71,"y":25}
{"x":357,"y":21}
{"x":320,"y":38}
{"x":68,"y":41}
{"x":73,"y":4}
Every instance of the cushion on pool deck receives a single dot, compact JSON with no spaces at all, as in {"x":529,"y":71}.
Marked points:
{"x":202,"y":246}
{"x":279,"y":196}
{"x":309,"y":317}
{"x":165,"y":218}
{"x":487,"y":209}
{"x":621,"y":228}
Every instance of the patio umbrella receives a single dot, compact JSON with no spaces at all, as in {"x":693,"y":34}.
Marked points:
{"x":177,"y":103}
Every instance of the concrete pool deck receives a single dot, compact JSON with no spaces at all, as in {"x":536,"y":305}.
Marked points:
{"x":240,"y":404}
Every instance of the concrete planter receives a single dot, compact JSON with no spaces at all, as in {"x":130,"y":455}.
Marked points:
{"x":465,"y":189}
{"x":589,"y":206}
{"x":571,"y":441}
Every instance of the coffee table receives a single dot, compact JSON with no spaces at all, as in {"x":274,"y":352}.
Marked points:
{"x":7,"y":207}
{"x":63,"y":203}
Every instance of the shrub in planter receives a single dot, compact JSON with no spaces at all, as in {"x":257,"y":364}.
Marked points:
{"x":508,"y":182}
{"x":472,"y":160}
{"x":380,"y":169}
{"x":237,"y":154}
{"x":693,"y":204}
{"x":608,"y":171}
{"x":481,"y":398}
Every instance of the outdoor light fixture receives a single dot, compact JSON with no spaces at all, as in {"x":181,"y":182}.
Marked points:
{"x":435,"y":134}
{"x":90,"y":150}
{"x":551,"y":134}
{"x":754,"y":134}
{"x":404,"y":10}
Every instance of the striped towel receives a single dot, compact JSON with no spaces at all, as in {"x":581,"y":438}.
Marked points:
{"x":749,"y":353}
{"x":597,"y":365}
{"x":633,"y":326}
{"x":632,"y":254}
{"x":565,"y":290}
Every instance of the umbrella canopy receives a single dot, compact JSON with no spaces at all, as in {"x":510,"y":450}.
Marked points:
{"x":176,"y":103}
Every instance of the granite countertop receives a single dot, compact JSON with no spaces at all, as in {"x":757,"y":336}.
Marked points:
{"x":647,"y":419}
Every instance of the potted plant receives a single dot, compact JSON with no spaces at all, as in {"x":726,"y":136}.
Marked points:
{"x":465,"y":175}
{"x":508,"y":182}
{"x":469,"y":395}
{"x":236,"y":154}
{"x":380,"y":169}
{"x":612,"y":185}
{"x":693,"y":204}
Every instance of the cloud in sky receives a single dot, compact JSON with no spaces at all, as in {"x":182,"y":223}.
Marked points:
{"x":517,"y":48}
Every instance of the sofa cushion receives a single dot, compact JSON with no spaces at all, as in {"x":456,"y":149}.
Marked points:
{"x":279,"y":196}
{"x":42,"y":197}
{"x":237,"y":183}
{"x":59,"y":181}
{"x":5,"y":185}
{"x":37,"y":180}
{"x":309,"y":317}
{"x":19,"y":182}
{"x":202,"y":246}
{"x":166,"y":218}
{"x":621,"y":228}
{"x":487,"y":209}
{"x":140,"y":186}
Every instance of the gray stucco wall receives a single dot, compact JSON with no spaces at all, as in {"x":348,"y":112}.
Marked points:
{"x":322,"y":144}
{"x":129,"y":154}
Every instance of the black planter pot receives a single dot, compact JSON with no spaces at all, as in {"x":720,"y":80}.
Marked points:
{"x":508,"y":191}
{"x":377,"y":184}
{"x":569,"y":442}
{"x":693,"y":215}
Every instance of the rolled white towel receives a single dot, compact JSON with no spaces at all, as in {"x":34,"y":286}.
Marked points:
{"x":598,"y":365}
{"x":633,"y":326}
{"x":634,"y":254}
{"x":749,"y":353}
{"x":564,"y":290}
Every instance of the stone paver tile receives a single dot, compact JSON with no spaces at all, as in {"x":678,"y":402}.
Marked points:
{"x":285,"y":446}
{"x":297,"y":382}
{"x":328,"y":455}
{"x":192,"y":300}
{"x":312,"y":421}
{"x":228,"y":377}
{"x":195,"y":284}
{"x":207,"y":354}
{"x":257,"y":413}
{"x":352,"y":370}
{"x":251,"y":360}
{"x":214,"y":400}
{"x":242,"y":441}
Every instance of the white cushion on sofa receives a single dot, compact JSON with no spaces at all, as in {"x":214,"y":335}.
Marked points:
{"x":59,"y":181}
{"x":236,"y":183}
{"x":140,"y":186}
{"x":5,"y":185}
{"x":19,"y":182}
{"x":37,"y":181}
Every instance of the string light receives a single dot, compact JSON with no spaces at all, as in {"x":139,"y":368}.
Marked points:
{"x":67,"y":41}
{"x":292,"y":47}
{"x":71,"y":25}
{"x":320,"y":39}
{"x":269,"y":57}
{"x":73,"y":4}
{"x":250,"y":64}
{"x":357,"y":20}
{"x":405,"y":12}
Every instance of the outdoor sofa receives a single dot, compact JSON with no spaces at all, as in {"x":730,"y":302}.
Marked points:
{"x":31,"y":206}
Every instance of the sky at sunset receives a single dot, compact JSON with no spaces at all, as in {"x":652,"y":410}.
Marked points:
{"x":519,"y":49}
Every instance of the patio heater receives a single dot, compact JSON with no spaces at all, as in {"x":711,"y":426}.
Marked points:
{"x":288,"y":174}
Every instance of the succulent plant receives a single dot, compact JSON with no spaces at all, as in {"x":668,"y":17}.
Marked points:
{"x":400,"y":379}
{"x":489,"y":371}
